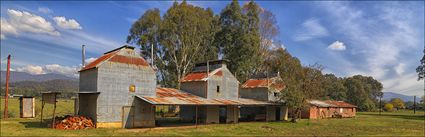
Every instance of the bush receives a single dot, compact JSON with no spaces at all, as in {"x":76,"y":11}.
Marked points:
{"x":389,"y":107}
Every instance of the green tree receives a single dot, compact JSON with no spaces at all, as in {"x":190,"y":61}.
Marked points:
{"x":180,"y":39}
{"x":398,"y":103}
{"x":292,"y":76}
{"x":334,"y":87}
{"x":312,"y":84}
{"x":389,"y":107}
{"x":421,"y":68}
{"x":238,"y":38}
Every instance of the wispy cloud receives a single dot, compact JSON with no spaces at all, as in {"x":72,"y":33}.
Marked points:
{"x":44,"y":10}
{"x":310,"y":29}
{"x":381,"y":43}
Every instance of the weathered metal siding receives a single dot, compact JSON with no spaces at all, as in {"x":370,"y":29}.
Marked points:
{"x":271,"y":113}
{"x":212,"y":114}
{"x":196,"y":87}
{"x":271,"y":95}
{"x":255,"y":93}
{"x":232,"y":114}
{"x":228,"y":84}
{"x":114,"y":81}
{"x":88,"y":80}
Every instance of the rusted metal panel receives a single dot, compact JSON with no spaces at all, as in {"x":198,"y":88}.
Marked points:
{"x":169,"y":96}
{"x":341,"y":104}
{"x":266,"y":82}
{"x":129,"y":60}
{"x":98,"y":61}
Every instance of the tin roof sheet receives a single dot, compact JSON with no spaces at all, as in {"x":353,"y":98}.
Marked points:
{"x":262,"y":83}
{"x":170,"y":96}
{"x":331,"y":103}
{"x":114,"y":57}
{"x":201,"y":76}
{"x":340,"y":104}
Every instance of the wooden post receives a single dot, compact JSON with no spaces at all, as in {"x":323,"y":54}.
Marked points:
{"x":6,"y":95}
{"x":42,"y":108}
{"x":267,"y":113}
{"x":196,"y":116}
{"x":414,"y":104}
{"x":380,"y":105}
{"x":54,"y":109}
{"x":234,"y":114}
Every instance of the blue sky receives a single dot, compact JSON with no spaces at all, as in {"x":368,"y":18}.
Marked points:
{"x":379,"y":39}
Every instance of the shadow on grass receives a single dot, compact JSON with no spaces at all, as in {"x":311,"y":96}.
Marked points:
{"x":410,"y":117}
{"x":36,"y":124}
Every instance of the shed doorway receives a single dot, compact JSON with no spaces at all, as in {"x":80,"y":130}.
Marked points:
{"x":222,"y":114}
{"x":278,"y":114}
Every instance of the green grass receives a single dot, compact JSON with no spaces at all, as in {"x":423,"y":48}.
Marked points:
{"x":401,"y":123}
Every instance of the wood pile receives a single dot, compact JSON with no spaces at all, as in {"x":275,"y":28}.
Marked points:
{"x":73,"y":122}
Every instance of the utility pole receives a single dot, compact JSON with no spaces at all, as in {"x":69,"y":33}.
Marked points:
{"x":380,"y":105}
{"x":414,"y":104}
{"x":6,"y":95}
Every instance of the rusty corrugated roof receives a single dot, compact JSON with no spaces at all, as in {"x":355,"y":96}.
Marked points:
{"x":129,"y":60}
{"x":331,"y":103}
{"x":170,"y":96}
{"x":201,"y":76}
{"x":340,"y":104}
{"x":114,"y":57}
{"x":262,"y":83}
{"x":98,"y":61}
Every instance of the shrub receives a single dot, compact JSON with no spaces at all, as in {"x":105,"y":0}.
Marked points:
{"x":389,"y":107}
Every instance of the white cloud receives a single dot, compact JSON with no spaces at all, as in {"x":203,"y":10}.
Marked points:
{"x":51,"y":68}
{"x":23,"y":21}
{"x":7,"y":28}
{"x":310,"y":29}
{"x":337,"y":46}
{"x":62,"y":22}
{"x":44,"y":10}
{"x":89,"y":60}
{"x":35,"y":70}
{"x":65,"y":70}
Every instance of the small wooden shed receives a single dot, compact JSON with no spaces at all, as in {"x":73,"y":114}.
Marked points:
{"x":27,"y":107}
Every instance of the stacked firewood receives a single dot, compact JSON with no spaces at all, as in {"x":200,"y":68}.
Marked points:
{"x":73,"y":122}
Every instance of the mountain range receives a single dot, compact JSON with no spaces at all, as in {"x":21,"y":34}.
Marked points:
{"x":23,"y":76}
{"x":389,"y":95}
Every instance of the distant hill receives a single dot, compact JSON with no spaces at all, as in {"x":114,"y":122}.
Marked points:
{"x":389,"y":95}
{"x":23,"y":76}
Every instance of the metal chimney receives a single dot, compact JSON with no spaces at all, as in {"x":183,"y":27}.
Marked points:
{"x":83,"y":63}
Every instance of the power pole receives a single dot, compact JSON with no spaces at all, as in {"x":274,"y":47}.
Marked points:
{"x":414,"y":104}
{"x":6,"y":95}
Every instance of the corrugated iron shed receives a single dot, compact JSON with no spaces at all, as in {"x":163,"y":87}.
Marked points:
{"x":169,"y":96}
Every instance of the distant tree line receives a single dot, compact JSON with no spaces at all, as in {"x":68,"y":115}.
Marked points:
{"x":397,"y":104}
{"x":245,"y":35}
{"x":67,"y":88}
